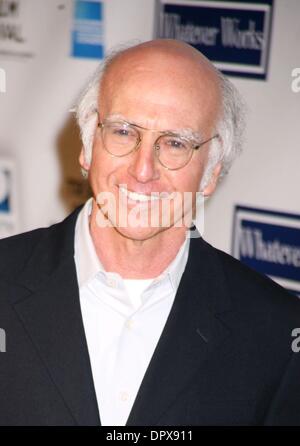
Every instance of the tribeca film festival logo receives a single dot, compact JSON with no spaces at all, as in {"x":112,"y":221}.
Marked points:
{"x":2,"y":81}
{"x":2,"y":341}
{"x":10,"y":29}
{"x":296,"y":81}
{"x":157,"y":210}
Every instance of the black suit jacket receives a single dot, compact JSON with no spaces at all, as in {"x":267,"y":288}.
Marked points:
{"x":224,"y":356}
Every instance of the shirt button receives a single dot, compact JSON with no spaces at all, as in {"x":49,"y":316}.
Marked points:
{"x":112,"y":282}
{"x":129,"y":324}
{"x":123,"y":396}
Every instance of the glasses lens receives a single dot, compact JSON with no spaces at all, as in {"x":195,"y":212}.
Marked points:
{"x":174,"y":152}
{"x":119,"y":138}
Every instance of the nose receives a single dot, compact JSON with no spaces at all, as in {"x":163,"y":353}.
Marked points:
{"x":144,"y":164}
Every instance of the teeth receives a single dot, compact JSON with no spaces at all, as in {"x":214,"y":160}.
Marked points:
{"x":139,"y":197}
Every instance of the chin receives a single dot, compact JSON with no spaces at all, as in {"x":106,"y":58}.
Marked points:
{"x":139,"y":233}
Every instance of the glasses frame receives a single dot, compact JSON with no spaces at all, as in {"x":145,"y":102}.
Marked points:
{"x":156,"y":147}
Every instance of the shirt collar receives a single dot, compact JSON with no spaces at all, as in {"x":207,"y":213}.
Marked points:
{"x":88,"y":264}
{"x":176,"y":268}
{"x":86,"y":259}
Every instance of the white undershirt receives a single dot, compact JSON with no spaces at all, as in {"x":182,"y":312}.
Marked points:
{"x":123,"y":321}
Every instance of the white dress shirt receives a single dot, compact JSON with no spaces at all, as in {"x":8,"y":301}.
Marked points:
{"x":123,"y":321}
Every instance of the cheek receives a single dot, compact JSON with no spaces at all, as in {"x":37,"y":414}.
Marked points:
{"x":99,"y":168}
{"x":189,"y":182}
{"x":196,"y":172}
{"x":104,"y":169}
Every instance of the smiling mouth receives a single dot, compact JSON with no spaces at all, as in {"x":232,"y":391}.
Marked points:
{"x":136,"y":196}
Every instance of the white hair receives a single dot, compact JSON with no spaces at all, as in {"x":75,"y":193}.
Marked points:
{"x":230,"y":125}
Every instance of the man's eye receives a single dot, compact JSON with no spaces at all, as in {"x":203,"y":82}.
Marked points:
{"x":124,"y":132}
{"x":176,"y":144}
{"x":121,"y":132}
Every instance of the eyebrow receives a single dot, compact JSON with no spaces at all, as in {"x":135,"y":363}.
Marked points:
{"x":184,"y":132}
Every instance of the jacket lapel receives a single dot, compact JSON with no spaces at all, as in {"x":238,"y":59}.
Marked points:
{"x":47,"y":302}
{"x":192,"y":331}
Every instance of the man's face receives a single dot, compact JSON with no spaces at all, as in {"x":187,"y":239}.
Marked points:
{"x":154,"y":97}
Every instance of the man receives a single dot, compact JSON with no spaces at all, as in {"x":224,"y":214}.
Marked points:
{"x":139,"y":323}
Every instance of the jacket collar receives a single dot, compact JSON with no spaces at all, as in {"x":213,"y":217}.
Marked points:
{"x":46,"y":300}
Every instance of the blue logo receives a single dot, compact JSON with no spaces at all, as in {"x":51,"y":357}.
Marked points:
{"x":5,"y":188}
{"x":87,"y":34}
{"x":234,"y":35}
{"x":269,"y":242}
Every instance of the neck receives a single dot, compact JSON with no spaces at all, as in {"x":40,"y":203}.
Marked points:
{"x":131,"y":258}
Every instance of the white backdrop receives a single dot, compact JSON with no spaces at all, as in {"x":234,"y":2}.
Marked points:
{"x":36,"y":131}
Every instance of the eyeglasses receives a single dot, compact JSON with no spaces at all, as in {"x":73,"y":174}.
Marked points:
{"x":173,"y":151}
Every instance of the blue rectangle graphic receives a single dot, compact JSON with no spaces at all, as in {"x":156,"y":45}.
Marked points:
{"x":269,"y":242}
{"x":273,"y":249}
{"x":234,"y":35}
{"x":88,"y":10}
{"x":5,"y":191}
{"x":87,"y":33}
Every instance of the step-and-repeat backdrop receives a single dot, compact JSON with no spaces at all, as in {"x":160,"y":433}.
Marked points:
{"x":48,"y":50}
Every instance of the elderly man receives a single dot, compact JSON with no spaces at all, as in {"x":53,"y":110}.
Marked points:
{"x":139,"y":323}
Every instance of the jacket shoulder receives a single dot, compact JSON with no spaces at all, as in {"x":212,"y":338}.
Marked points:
{"x":46,"y":242}
{"x":16,"y":249}
{"x":253,"y":290}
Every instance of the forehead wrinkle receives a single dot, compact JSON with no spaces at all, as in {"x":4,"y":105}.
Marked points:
{"x":182,"y":132}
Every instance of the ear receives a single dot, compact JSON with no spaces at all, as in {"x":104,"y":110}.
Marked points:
{"x":82,"y":160}
{"x":211,"y":186}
